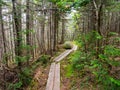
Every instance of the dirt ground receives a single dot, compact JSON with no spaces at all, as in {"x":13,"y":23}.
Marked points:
{"x":40,"y":78}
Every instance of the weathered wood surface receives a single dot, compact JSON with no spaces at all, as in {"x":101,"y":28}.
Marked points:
{"x":50,"y":81}
{"x":62,"y":56}
{"x":53,"y":82}
{"x":57,"y":77}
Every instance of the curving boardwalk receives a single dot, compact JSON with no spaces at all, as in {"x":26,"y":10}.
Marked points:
{"x":53,"y":82}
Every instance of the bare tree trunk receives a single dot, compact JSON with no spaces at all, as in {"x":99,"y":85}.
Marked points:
{"x":3,"y":33}
{"x":28,"y":29}
{"x":98,"y":9}
{"x":51,"y":33}
{"x":63,"y":31}
{"x":4,"y":42}
{"x":17,"y":22}
{"x":55,"y":29}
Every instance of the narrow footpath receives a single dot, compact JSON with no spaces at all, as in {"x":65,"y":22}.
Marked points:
{"x":53,"y":82}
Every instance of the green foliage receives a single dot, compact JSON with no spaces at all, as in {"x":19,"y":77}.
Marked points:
{"x":112,"y":51}
{"x":15,"y":86}
{"x":80,"y":3}
{"x":24,"y":79}
{"x":97,"y":35}
{"x":107,"y":82}
{"x":115,"y":81}
{"x":76,"y":60}
{"x":3,"y":3}
{"x":113,"y":34}
{"x":100,"y":67}
{"x":62,"y":5}
{"x":25,"y":76}
{"x":44,"y":59}
{"x":22,"y":59}
{"x":69,"y":71}
{"x":68,"y":45}
{"x":112,"y":5}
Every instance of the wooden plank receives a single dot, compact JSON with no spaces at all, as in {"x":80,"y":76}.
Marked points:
{"x":57,"y":77}
{"x":75,"y":47}
{"x":50,"y":81}
{"x":60,"y":55}
{"x":63,"y":55}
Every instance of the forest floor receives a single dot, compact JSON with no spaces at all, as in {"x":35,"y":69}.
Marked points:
{"x":40,"y":78}
{"x":74,"y":82}
{"x":83,"y":80}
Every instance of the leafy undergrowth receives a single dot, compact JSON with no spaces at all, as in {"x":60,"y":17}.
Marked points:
{"x":77,"y":80}
{"x":88,"y":75}
{"x":26,"y":76}
{"x":82,"y":71}
{"x":93,"y":67}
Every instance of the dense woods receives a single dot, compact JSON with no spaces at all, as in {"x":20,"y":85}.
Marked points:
{"x":96,"y":63}
{"x":34,"y":30}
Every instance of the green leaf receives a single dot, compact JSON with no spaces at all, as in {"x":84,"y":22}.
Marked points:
{"x":113,"y":33}
{"x":18,"y":85}
{"x":115,"y":81}
{"x":102,"y":56}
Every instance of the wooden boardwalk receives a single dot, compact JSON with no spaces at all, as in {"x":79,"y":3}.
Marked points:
{"x":53,"y":82}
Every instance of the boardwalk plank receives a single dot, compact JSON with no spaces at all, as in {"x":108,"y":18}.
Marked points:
{"x":57,"y":77}
{"x":50,"y":80}
{"x":63,"y":56}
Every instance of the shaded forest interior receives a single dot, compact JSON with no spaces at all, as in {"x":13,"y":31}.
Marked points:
{"x":33,"y":31}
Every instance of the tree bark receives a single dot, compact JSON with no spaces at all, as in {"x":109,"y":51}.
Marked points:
{"x":63,"y":31}
{"x":17,"y":21}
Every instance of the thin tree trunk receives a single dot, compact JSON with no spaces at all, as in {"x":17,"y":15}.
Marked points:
{"x":28,"y":28}
{"x":17,"y":22}
{"x":63,"y":31}
{"x":55,"y":29}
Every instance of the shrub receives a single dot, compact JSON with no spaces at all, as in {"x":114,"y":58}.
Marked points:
{"x":44,"y":59}
{"x":68,"y":45}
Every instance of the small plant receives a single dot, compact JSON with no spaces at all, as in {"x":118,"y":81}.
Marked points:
{"x":44,"y":59}
{"x":15,"y":86}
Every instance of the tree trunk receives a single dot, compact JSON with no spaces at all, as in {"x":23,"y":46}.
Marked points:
{"x":4,"y":43}
{"x":28,"y":29}
{"x":63,"y":31}
{"x":17,"y":21}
